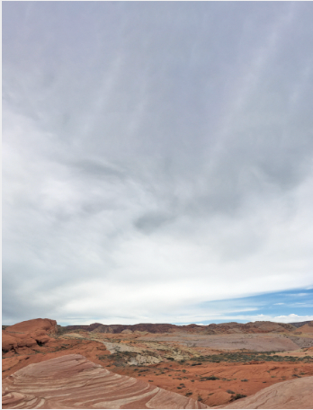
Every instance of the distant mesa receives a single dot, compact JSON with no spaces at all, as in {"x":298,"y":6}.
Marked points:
{"x":51,"y":328}
{"x":306,"y":328}
{"x":221,"y":328}
{"x":299,"y":324}
{"x":72,"y":381}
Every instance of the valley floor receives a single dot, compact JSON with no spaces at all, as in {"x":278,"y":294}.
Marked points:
{"x":213,"y":369}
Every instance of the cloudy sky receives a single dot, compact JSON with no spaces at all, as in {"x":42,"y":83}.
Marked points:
{"x":157,"y":161}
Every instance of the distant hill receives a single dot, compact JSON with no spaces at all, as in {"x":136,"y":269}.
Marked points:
{"x":299,"y":324}
{"x":221,"y":328}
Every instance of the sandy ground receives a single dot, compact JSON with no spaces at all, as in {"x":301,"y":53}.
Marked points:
{"x":257,"y":342}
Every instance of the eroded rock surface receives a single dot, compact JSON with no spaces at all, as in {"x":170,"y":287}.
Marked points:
{"x":72,"y":381}
{"x":25,"y":336}
{"x":292,"y":394}
{"x":49,"y":326}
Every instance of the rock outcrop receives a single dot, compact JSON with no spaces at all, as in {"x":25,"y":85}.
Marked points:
{"x":48,"y":326}
{"x":292,"y":394}
{"x":25,"y":336}
{"x":72,"y":381}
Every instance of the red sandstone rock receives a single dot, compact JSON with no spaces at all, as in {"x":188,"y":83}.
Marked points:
{"x":49,"y":326}
{"x":292,"y":394}
{"x":8,"y":342}
{"x":27,"y":335}
{"x":72,"y":381}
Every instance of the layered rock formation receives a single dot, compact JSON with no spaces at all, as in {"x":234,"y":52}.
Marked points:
{"x":221,"y":328}
{"x":292,"y":394}
{"x":72,"y":381}
{"x":306,"y":328}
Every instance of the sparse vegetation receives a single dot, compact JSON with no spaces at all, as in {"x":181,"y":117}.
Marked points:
{"x":237,"y":396}
{"x":250,"y":356}
{"x":209,"y":378}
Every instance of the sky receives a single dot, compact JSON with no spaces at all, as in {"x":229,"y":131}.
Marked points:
{"x":157,"y":162}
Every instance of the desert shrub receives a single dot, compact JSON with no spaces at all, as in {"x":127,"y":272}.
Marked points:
{"x":238,"y":396}
{"x":188,"y":394}
{"x":230,"y":391}
{"x":210,"y":378}
{"x":245,"y":380}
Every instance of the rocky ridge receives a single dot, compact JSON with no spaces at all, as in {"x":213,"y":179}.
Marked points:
{"x":221,"y":328}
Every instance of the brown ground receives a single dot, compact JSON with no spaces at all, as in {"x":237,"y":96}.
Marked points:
{"x":184,"y":363}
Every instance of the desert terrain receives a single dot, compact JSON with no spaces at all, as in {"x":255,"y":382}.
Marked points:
{"x":253,"y":365}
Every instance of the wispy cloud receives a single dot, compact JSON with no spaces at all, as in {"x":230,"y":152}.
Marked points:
{"x":156,"y":156}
